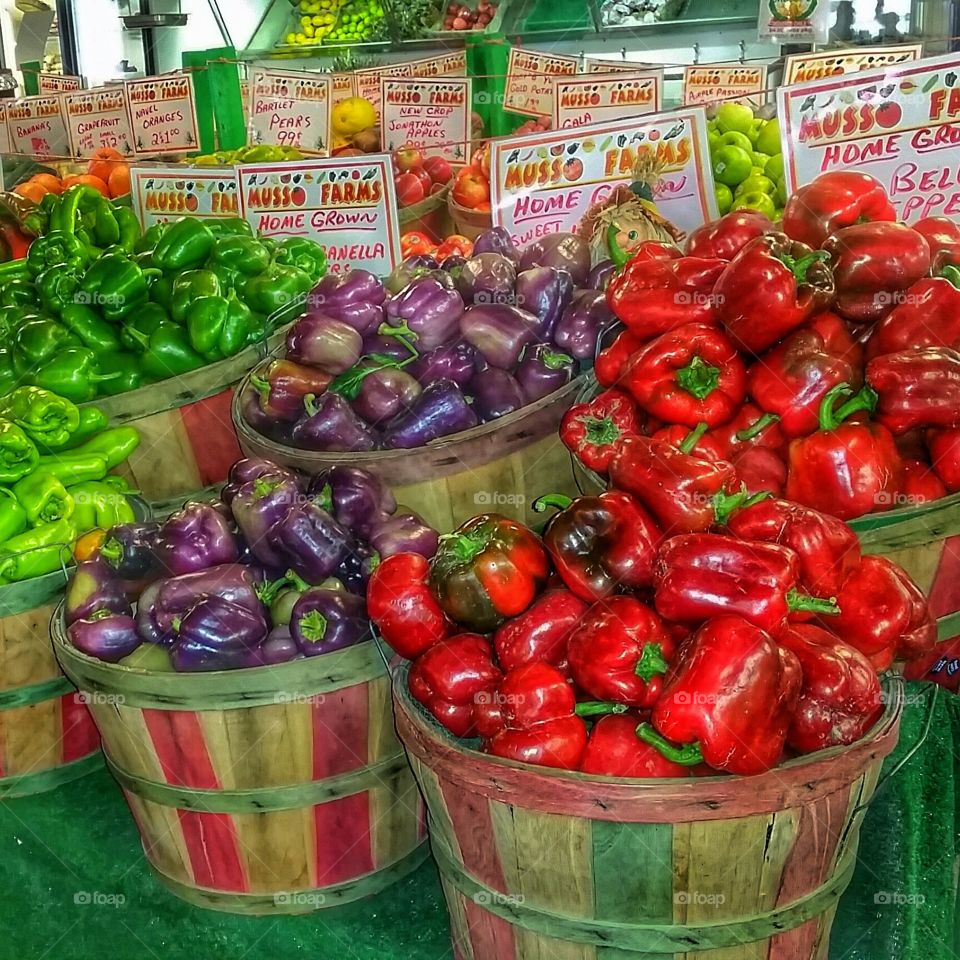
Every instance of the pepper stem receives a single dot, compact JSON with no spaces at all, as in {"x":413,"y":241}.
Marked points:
{"x":726,"y":504}
{"x":310,"y":404}
{"x":693,"y":438}
{"x":831,"y":418}
{"x":401,"y":331}
{"x":801,"y":601}
{"x":261,"y":385}
{"x":799,"y":267}
{"x":699,"y":378}
{"x":618,"y":255}
{"x":652,"y":662}
{"x":600,"y":431}
{"x":687,"y":755}
{"x":313,"y":626}
{"x":559,"y":500}
{"x":597,"y":708}
{"x":757,"y":427}
{"x":111,"y":550}
{"x":296,"y":581}
{"x":951,"y":272}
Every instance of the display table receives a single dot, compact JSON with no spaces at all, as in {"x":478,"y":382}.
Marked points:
{"x":69,"y":855}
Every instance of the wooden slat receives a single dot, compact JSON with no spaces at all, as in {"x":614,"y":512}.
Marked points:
{"x":31,"y":737}
{"x":162,"y":836}
{"x":25,"y":653}
{"x":163,"y":464}
{"x":276,"y":850}
{"x":126,"y":739}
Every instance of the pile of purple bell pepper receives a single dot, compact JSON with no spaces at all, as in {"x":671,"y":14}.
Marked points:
{"x":275,"y":570}
{"x":435,"y":348}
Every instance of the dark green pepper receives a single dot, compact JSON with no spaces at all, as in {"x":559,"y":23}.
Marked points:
{"x":167,"y":352}
{"x":150,"y":238}
{"x":190,"y":286}
{"x":161,"y":291}
{"x":116,"y":285}
{"x":146,"y":320}
{"x":18,"y":453}
{"x":74,"y":466}
{"x":276,"y":288}
{"x":57,"y":287}
{"x":39,"y":341}
{"x":128,"y":374}
{"x":13,"y":518}
{"x":18,"y":292}
{"x":43,"y":497}
{"x":243,"y":254}
{"x":229,"y":279}
{"x":129,"y":227}
{"x":219,"y":326}
{"x":13,"y":318}
{"x":231,"y":226}
{"x":43,"y":416}
{"x":73,"y":373}
{"x":90,"y":328}
{"x":304,"y":254}
{"x":57,"y":249}
{"x":114,"y":445}
{"x":184,"y":245}
{"x":38,"y":551}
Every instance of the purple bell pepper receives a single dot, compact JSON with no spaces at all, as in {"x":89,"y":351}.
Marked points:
{"x":439,"y":411}
{"x":357,"y":499}
{"x":384,"y":394}
{"x":322,"y":342}
{"x":499,"y":332}
{"x":148,"y":628}
{"x":566,"y":251}
{"x":353,"y":297}
{"x":219,"y":626}
{"x":106,"y":636}
{"x":453,"y":265}
{"x":260,"y":504}
{"x":129,"y":550}
{"x":487,"y":278}
{"x":601,"y":275}
{"x":279,"y":647}
{"x":387,"y":346}
{"x":404,"y":533}
{"x":332,"y":424}
{"x":328,"y":620}
{"x":419,"y":265}
{"x":251,"y":468}
{"x":197,"y":536}
{"x":497,"y":240}
{"x":94,"y":588}
{"x":582,"y":323}
{"x":451,"y":361}
{"x":544,"y":292}
{"x":312,"y":542}
{"x":542,"y":369}
{"x":495,"y":393}
{"x":426,"y":311}
{"x":254,"y":416}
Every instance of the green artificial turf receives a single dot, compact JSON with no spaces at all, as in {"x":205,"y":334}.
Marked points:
{"x":78,"y":843}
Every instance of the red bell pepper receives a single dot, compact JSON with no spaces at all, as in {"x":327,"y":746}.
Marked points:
{"x":538,"y":719}
{"x":452,"y":678}
{"x":832,"y":201}
{"x":599,"y":544}
{"x":761,"y":470}
{"x":541,"y":632}
{"x":729,"y":700}
{"x":920,"y":483}
{"x":845,"y":469}
{"x":943,"y":237}
{"x":750,"y":427}
{"x":927,"y":315}
{"x":611,"y":363}
{"x":791,"y":380}
{"x":621,"y":652}
{"x":400,"y":604}
{"x":917,"y":388}
{"x":706,"y":575}
{"x":882,"y":611}
{"x":726,"y":237}
{"x":683,"y":493}
{"x":873,"y":263}
{"x":591,"y":430}
{"x":770,"y":288}
{"x":690,"y":375}
{"x":652,"y":297}
{"x":697,"y":442}
{"x":840,"y":697}
{"x":651,"y":250}
{"x":615,"y":750}
{"x":827,"y":549}
{"x":944,"y":448}
{"x":839,"y":341}
{"x":489,"y":569}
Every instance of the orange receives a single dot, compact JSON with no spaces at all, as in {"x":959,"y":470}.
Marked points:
{"x":31,"y":191}
{"x":89,"y":181}
{"x":48,"y":181}
{"x":119,"y":182}
{"x":103,"y":162}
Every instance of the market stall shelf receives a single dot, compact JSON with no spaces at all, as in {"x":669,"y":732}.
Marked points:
{"x":538,"y":863}
{"x":272,"y":790}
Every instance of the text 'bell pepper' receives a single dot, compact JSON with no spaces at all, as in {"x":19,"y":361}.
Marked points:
{"x":917,"y":388}
{"x":591,"y":430}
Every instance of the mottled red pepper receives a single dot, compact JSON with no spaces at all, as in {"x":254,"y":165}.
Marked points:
{"x":917,"y":388}
{"x":750,"y":427}
{"x":927,"y":315}
{"x":761,"y":470}
{"x":696,"y":442}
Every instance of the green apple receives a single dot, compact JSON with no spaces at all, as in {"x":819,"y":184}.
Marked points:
{"x":713,"y":139}
{"x":754,"y":132}
{"x":712,"y":125}
{"x":757,"y":172}
{"x":754,"y":182}
{"x":755,"y":200}
{"x":760,"y":159}
{"x":734,"y":116}
{"x":774,"y":167}
{"x":724,"y":197}
{"x":734,"y":139}
{"x":769,"y":139}
{"x":731,"y":165}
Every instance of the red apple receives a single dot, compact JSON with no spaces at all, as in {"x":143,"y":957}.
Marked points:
{"x":424,"y":179}
{"x":439,"y":170}
{"x":471,"y":188}
{"x":407,"y":158}
{"x":409,"y":190}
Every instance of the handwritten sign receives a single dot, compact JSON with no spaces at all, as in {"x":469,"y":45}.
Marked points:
{"x":342,"y":87}
{"x":57,"y":83}
{"x":900,"y":124}
{"x":432,"y":114}
{"x":366,"y":83}
{"x":5,"y":144}
{"x":619,"y":66}
{"x":347,"y":204}
{"x":163,"y":114}
{"x":544,"y":183}
{"x":166,"y":193}
{"x":447,"y":65}
{"x":97,"y":119}
{"x":598,"y":97}
{"x":803,"y":67}
{"x":38,"y":127}
{"x":529,"y":89}
{"x":710,"y":82}
{"x":291,"y":108}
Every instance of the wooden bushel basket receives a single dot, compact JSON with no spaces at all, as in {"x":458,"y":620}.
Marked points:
{"x":539,"y":863}
{"x":272,"y":790}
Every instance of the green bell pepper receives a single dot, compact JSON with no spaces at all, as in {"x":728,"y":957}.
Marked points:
{"x":57,"y":287}
{"x":92,"y":421}
{"x":36,"y":552}
{"x":304,"y":254}
{"x":18,"y":291}
{"x":258,"y":329}
{"x":127,"y":370}
{"x":184,"y":244}
{"x":39,"y":341}
{"x":147,"y":319}
{"x":150,"y":238}
{"x":9,"y":378}
{"x":13,"y":518}
{"x":129,"y":228}
{"x":13,"y":318}
{"x":161,"y":291}
{"x":167,"y":352}
{"x":57,"y":249}
{"x":90,"y":328}
{"x":74,"y":374}
{"x":74,"y":466}
{"x":276,"y":288}
{"x":114,"y":445}
{"x":219,"y":326}
{"x":37,"y":221}
{"x":244,"y":254}
{"x":190,"y":286}
{"x":18,"y":453}
{"x":116,"y":285}
{"x":231,"y":227}
{"x":229,"y":278}
{"x":44,"y":498}
{"x":99,"y":505}
{"x":43,"y":416}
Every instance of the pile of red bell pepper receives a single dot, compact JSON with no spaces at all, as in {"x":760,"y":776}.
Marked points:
{"x":818,"y":358}
{"x":668,"y":628}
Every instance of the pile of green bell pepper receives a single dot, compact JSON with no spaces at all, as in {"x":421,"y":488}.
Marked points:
{"x":54,"y":480}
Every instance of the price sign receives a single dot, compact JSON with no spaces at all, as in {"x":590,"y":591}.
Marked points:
{"x":97,"y":119}
{"x":291,"y":108}
{"x":161,"y":194}
{"x":38,"y":127}
{"x":57,"y":83}
{"x":163,"y":114}
{"x":710,"y":82}
{"x":900,"y":124}
{"x":432,"y":114}
{"x":544,"y":183}
{"x":595,"y":98}
{"x":367,"y":82}
{"x":347,"y":204}
{"x":620,"y":66}
{"x":529,"y":89}
{"x":804,"y":67}
{"x":447,"y":65}
{"x":5,"y":144}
